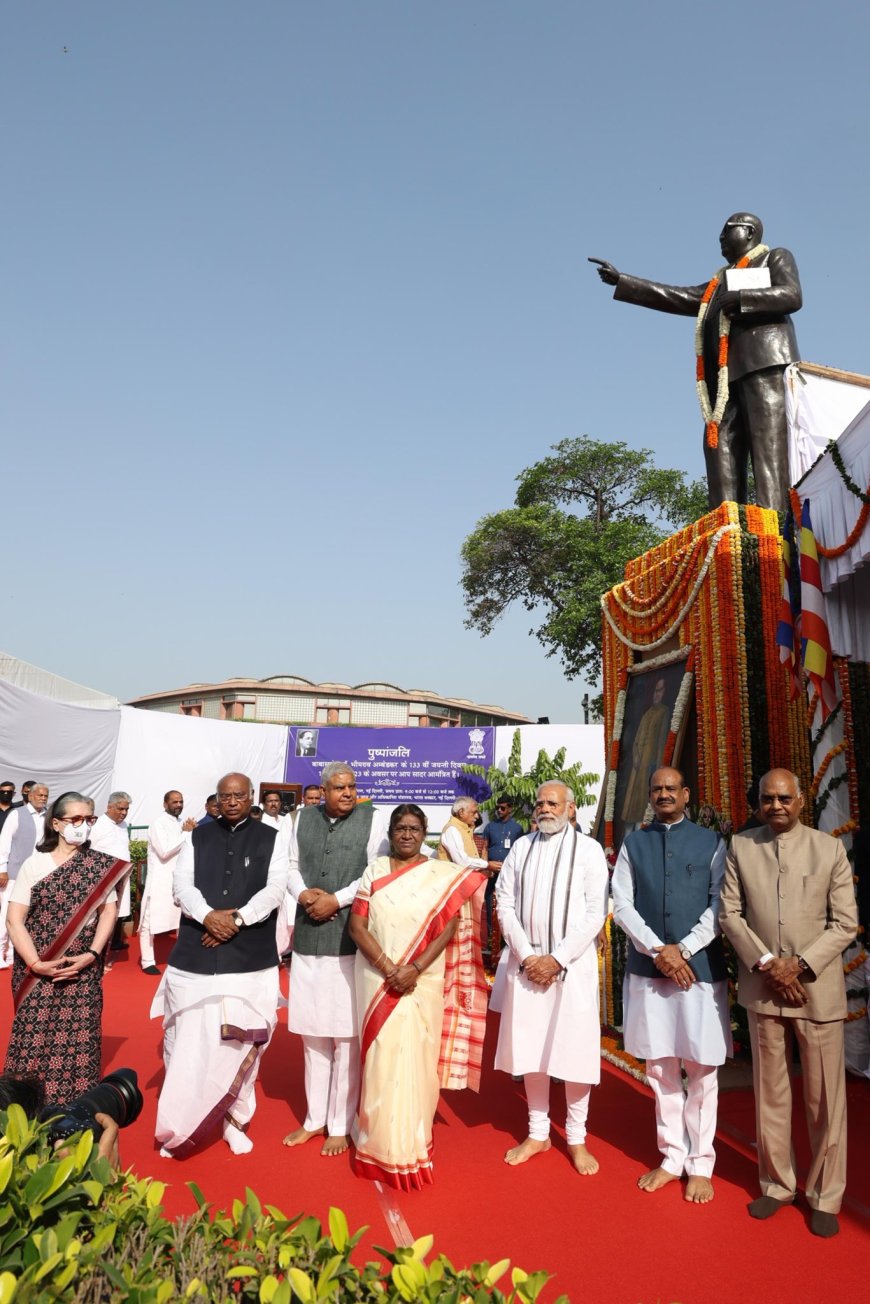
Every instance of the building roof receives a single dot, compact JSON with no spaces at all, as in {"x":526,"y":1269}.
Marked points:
{"x":289,"y":683}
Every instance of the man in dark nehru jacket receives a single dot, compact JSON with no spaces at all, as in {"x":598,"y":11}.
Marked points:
{"x":788,"y":909}
{"x":665,"y":897}
{"x":219,"y":994}
{"x":324,"y":854}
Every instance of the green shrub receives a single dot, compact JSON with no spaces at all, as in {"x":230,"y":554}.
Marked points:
{"x":72,"y":1229}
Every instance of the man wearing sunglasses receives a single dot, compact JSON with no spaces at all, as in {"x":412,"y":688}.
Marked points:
{"x":788,"y":908}
{"x":21,"y":831}
{"x":760,"y":342}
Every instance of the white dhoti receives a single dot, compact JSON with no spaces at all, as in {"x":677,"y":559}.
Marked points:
{"x":215,"y":1029}
{"x":667,"y":1026}
{"x":322,"y":1009}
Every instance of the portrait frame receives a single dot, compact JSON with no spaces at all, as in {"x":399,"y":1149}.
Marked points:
{"x":650,"y":727}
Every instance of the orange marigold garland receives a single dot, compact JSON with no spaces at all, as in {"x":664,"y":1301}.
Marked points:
{"x":713,"y":414}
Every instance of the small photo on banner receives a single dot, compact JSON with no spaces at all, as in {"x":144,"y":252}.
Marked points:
{"x":391,"y":765}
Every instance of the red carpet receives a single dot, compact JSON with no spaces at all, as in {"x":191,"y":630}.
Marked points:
{"x":602,"y":1238}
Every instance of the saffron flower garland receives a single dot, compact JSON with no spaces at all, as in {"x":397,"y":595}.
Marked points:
{"x":713,"y":415}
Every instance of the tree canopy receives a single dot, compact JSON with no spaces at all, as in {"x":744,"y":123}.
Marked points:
{"x":579,"y":516}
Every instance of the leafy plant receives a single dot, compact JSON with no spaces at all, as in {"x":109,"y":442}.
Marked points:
{"x":72,"y":1229}
{"x":520,"y":787}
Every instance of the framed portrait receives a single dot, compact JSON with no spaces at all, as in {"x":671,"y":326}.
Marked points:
{"x":654,"y":709}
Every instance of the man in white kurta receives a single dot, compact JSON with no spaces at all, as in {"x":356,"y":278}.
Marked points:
{"x":158,"y":910}
{"x":666,"y":888}
{"x":111,"y":834}
{"x":22,"y":830}
{"x":343,"y":838}
{"x":552,"y":901}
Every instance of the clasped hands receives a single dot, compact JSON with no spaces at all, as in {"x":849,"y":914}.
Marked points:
{"x":219,"y":927}
{"x":541,"y":969}
{"x":669,"y":961}
{"x":317,"y":904}
{"x":63,"y":970}
{"x":782,"y":976}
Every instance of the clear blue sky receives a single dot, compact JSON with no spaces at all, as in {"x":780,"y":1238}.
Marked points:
{"x":293,"y":291}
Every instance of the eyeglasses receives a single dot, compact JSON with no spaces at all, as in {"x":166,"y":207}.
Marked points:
{"x":409,"y":828}
{"x":77,"y":820}
{"x":769,"y":798}
{"x":233,"y":796}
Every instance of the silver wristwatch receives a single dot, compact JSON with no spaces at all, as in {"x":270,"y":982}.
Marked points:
{"x":238,"y":920}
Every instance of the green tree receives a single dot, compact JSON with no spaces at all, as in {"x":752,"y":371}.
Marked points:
{"x":580,"y":515}
{"x":520,"y":787}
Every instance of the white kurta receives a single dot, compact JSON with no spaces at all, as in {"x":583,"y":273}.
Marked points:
{"x":660,"y":1019}
{"x":552,"y":900}
{"x":114,"y":840}
{"x":322,"y":1000}
{"x":165,"y":839}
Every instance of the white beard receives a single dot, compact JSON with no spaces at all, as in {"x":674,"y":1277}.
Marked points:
{"x":550,"y":824}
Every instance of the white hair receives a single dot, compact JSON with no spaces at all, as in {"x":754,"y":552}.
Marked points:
{"x":332,"y":769}
{"x":557,"y":783}
{"x":461,"y":804}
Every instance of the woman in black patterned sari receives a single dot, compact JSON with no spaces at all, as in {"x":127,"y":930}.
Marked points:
{"x":61,"y":915}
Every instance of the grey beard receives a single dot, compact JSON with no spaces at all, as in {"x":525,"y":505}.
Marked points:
{"x":552,"y":823}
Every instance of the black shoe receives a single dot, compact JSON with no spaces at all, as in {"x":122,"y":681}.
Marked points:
{"x":120,"y":946}
{"x":766,"y":1206}
{"x":152,"y":969}
{"x":823,"y":1224}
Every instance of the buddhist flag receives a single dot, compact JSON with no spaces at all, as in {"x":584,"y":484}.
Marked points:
{"x":785,"y":629}
{"x":816,"y":654}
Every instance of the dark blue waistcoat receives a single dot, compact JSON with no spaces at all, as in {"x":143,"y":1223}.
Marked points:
{"x":671,"y":871}
{"x":332,"y":853}
{"x":228,"y":868}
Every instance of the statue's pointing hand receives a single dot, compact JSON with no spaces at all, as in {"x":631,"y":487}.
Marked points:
{"x":606,"y":271}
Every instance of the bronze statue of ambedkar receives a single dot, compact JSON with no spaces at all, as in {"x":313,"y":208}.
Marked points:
{"x":759,"y":344}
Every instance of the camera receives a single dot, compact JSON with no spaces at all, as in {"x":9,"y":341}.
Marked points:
{"x":117,"y":1095}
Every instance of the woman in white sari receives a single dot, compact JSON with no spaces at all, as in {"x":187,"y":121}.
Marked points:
{"x":421,"y":998}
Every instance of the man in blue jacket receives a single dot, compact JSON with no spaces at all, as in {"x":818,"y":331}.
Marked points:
{"x":665,"y":897}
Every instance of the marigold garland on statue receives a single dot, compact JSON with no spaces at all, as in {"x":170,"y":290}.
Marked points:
{"x":687,"y":605}
{"x":713,"y":414}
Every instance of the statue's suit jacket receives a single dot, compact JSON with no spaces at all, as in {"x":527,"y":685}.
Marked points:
{"x":762,"y":333}
{"x":790,"y":894}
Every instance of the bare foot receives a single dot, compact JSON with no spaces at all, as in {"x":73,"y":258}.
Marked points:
{"x":335,"y":1145}
{"x":301,"y":1135}
{"x":699,"y":1190}
{"x":585,"y":1163}
{"x":655,"y":1178}
{"x":522,"y":1153}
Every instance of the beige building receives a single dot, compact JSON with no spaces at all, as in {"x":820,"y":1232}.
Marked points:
{"x":290,"y":699}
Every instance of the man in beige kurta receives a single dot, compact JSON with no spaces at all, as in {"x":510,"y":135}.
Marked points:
{"x":788,"y":908}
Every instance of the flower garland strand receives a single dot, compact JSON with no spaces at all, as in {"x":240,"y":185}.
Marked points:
{"x":713,"y":415}
{"x":854,"y":535}
{"x":684,"y":611}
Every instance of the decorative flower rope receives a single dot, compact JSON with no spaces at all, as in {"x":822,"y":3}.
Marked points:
{"x":713,"y":415}
{"x":857,"y":529}
{"x":686,"y":608}
{"x":820,"y":773}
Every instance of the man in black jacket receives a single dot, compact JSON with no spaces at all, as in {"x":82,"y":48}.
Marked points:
{"x":219,"y":998}
{"x":760,"y":345}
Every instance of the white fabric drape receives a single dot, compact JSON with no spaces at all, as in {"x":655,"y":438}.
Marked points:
{"x":818,"y":409}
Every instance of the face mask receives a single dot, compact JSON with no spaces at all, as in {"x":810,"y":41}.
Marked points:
{"x":76,"y":835}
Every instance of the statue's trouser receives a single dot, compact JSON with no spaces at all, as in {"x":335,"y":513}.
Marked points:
{"x":753,"y":426}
